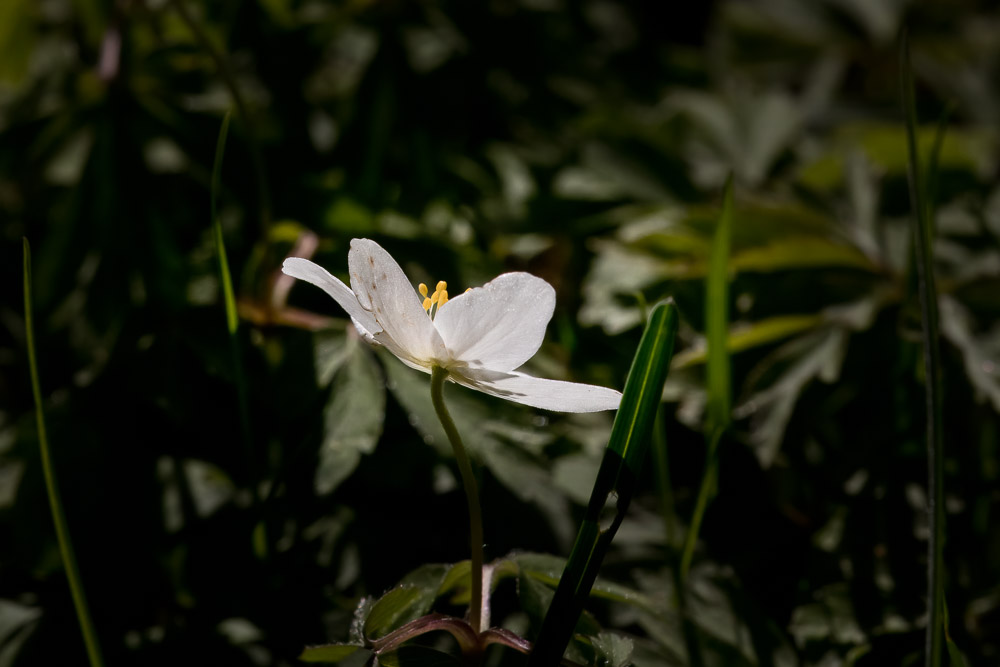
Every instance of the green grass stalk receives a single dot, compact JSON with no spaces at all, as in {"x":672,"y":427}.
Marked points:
{"x":51,"y":485}
{"x":923,"y":238}
{"x":232,"y":327}
{"x":718,"y":370}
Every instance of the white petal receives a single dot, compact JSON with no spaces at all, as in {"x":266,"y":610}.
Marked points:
{"x":552,"y":395}
{"x":384,"y":291}
{"x":311,"y":272}
{"x":499,"y":325}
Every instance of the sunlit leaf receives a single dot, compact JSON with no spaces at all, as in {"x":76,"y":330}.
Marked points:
{"x":747,"y":336}
{"x":17,"y":622}
{"x":352,"y":418}
{"x":613,"y":649}
{"x":411,"y":599}
{"x":769,"y":402}
{"x":386,"y":614}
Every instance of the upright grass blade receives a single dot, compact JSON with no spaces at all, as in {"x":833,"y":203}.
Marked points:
{"x":232,"y":326}
{"x":616,"y":481}
{"x":232,"y":319}
{"x":923,"y":235}
{"x":718,"y":371}
{"x":51,"y":486}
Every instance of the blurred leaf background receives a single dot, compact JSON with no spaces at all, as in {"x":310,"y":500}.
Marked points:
{"x":586,"y":142}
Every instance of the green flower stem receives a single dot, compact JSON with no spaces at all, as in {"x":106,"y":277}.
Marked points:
{"x":477,"y":603}
{"x":58,"y":517}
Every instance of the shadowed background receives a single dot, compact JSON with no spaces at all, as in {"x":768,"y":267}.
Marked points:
{"x":585,"y":142}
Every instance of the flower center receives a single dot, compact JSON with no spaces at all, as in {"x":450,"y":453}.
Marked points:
{"x":435,"y":300}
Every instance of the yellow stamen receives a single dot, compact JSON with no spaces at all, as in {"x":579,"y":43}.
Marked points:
{"x":468,"y":289}
{"x":436,"y":300}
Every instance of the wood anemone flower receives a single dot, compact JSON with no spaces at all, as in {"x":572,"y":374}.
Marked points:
{"x":479,"y":337}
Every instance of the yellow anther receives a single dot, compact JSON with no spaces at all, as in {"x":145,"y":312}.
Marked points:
{"x":435,"y":300}
{"x":468,"y":289}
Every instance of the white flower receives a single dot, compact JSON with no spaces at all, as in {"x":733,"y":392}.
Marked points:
{"x":479,"y":337}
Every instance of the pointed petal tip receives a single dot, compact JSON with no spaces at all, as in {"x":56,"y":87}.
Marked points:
{"x":542,"y":393}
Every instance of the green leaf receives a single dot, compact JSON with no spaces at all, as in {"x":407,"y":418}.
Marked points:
{"x":535,"y":597}
{"x":718,"y":382}
{"x":548,"y":568}
{"x":778,"y":381}
{"x":613,"y":649}
{"x":457,"y":582}
{"x":800,"y":253}
{"x":17,"y":622}
{"x":717,"y":319}
{"x":615,"y":484}
{"x":352,"y":419}
{"x":643,"y":388}
{"x":330,"y":351}
{"x":955,"y":656}
{"x":411,"y":599}
{"x":386,"y":614}
{"x":923,"y":233}
{"x":748,"y":336}
{"x":232,"y":317}
{"x":328,"y":652}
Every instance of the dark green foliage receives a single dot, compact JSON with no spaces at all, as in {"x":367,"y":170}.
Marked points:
{"x":586,"y":142}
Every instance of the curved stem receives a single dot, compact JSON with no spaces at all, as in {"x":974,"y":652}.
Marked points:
{"x":52,"y":487}
{"x":477,"y":602}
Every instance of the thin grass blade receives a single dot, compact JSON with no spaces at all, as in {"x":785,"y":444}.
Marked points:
{"x":923,"y":234}
{"x":718,"y":407}
{"x":51,"y":485}
{"x":616,"y":481}
{"x":232,"y":317}
{"x":232,"y":326}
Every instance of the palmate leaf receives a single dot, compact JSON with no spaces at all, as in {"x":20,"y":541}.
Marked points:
{"x":352,"y":419}
{"x":616,"y":480}
{"x":654,"y":245}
